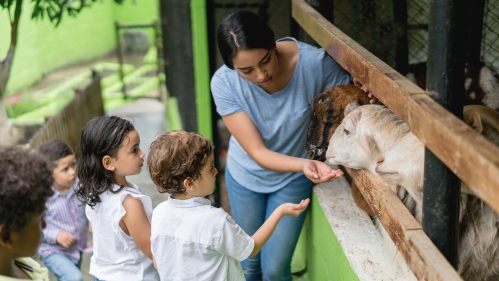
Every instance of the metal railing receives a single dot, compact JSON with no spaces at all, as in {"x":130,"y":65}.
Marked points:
{"x":469,"y":155}
{"x":66,"y":125}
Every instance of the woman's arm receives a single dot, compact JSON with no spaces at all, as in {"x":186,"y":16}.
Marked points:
{"x":136,"y":224}
{"x":244,"y":130}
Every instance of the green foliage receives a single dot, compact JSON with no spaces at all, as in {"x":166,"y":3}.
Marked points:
{"x":53,"y":9}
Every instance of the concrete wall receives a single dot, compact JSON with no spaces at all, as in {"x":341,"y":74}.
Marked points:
{"x":43,"y":48}
{"x":342,"y":242}
{"x":325,"y":258}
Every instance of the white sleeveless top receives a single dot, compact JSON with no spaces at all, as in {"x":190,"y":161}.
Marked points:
{"x":116,"y":256}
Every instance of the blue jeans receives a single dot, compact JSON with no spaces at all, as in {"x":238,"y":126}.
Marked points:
{"x":62,"y":267}
{"x":250,"y":210}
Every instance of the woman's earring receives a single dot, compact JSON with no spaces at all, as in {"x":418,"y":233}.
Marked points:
{"x":112,"y":168}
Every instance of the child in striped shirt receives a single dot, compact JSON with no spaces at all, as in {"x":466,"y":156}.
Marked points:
{"x":66,"y":234}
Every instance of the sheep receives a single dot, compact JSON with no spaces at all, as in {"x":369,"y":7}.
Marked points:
{"x":329,"y":108}
{"x":374,"y":139}
{"x":481,"y":83}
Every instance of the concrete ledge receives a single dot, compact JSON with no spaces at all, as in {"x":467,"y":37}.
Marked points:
{"x":361,"y":241}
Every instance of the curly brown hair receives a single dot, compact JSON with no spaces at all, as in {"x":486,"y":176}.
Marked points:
{"x":25,"y":185}
{"x":175,"y":156}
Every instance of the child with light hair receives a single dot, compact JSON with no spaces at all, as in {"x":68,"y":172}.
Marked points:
{"x":190,"y":239}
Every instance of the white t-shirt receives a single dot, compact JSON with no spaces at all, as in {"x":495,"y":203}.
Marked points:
{"x":192,"y":240}
{"x":116,"y":256}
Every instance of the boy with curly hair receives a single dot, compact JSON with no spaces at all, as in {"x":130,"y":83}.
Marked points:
{"x":65,"y":236}
{"x":190,"y":239}
{"x":25,"y":181}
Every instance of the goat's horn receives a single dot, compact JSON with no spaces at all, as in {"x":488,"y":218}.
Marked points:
{"x":488,"y":115}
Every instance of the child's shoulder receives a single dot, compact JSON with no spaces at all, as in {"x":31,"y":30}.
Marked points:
{"x":199,"y":212}
{"x":120,"y":191}
{"x":32,"y":268}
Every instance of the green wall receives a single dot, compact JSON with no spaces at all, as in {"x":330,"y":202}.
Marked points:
{"x":325,"y":257}
{"x":43,"y":48}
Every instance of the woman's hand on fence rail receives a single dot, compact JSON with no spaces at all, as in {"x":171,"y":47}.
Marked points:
{"x":374,"y":100}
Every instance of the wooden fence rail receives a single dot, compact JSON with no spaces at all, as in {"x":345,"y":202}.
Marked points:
{"x":67,"y":124}
{"x":469,"y":155}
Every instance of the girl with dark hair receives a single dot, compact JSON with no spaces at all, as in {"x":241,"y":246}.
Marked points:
{"x":263,"y":93}
{"x":119,"y":214}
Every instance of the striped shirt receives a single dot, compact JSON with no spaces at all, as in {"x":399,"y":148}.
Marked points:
{"x":64,"y":212}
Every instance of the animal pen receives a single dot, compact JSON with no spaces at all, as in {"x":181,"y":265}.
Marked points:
{"x":458,"y":150}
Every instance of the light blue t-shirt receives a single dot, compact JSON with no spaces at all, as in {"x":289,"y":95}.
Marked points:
{"x":282,"y":118}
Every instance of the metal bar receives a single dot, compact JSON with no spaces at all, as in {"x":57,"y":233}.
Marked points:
{"x":159,"y":50}
{"x":444,"y":83}
{"x":217,"y":141}
{"x":140,"y":25}
{"x":201,"y":68}
{"x":119,"y":52}
{"x":474,"y":32}
{"x":178,"y":58}
{"x":402,"y":47}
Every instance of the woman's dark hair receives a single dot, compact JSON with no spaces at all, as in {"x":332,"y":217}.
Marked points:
{"x":101,"y":136}
{"x":54,"y":150}
{"x":243,"y":30}
{"x":25,"y":186}
{"x":176,"y":156}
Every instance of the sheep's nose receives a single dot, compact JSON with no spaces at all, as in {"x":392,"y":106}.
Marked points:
{"x":330,"y":154}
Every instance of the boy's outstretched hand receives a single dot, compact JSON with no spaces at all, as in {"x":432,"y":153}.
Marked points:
{"x":290,"y":209}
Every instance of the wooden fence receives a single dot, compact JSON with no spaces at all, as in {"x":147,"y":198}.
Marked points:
{"x":67,"y":124}
{"x":469,"y":155}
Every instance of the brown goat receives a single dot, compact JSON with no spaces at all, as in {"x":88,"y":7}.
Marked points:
{"x":328,"y":111}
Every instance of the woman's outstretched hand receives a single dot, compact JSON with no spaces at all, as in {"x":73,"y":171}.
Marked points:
{"x":319,"y":172}
{"x":370,"y":95}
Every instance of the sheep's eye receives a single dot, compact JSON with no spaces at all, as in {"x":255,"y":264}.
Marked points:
{"x":346,"y":132}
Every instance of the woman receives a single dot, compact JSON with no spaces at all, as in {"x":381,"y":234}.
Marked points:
{"x":263,"y":93}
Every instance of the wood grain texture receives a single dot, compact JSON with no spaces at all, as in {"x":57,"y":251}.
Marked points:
{"x":470,"y":156}
{"x":421,"y":255}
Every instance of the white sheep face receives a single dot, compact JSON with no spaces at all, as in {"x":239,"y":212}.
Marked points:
{"x":348,"y":145}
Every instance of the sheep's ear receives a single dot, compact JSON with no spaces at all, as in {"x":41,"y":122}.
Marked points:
{"x":472,"y":118}
{"x":356,"y":111}
{"x":351,"y":106}
{"x":367,"y":144}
